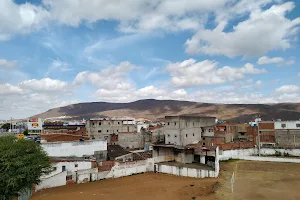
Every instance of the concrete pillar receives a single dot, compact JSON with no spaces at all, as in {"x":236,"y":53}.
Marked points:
{"x":202,"y":159}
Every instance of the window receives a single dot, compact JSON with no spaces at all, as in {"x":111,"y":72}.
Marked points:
{"x":118,"y":122}
{"x":185,"y":135}
{"x":298,"y":125}
{"x":99,"y":123}
{"x":99,"y":131}
{"x":168,"y":123}
{"x":93,"y":123}
{"x":76,"y":165}
{"x":175,"y":136}
{"x":174,"y":123}
{"x":117,"y":130}
{"x":203,"y":138}
{"x":193,"y":134}
{"x":283,"y":125}
{"x":169,"y":142}
{"x":168,"y":135}
{"x":107,"y":131}
{"x":63,"y":168}
{"x":69,"y":177}
{"x":242,"y":133}
{"x":203,"y":143}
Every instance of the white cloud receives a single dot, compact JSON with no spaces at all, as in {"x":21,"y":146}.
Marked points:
{"x":8,"y":89}
{"x":266,"y":60}
{"x":298,"y":75}
{"x":190,"y":73}
{"x":108,"y":78}
{"x":20,"y":18}
{"x":149,"y":91}
{"x":44,"y":85}
{"x":250,"y":37}
{"x":288,"y":89}
{"x":6,"y":64}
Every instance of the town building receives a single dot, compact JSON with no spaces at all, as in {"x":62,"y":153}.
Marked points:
{"x":183,"y":130}
{"x":35,"y":126}
{"x":266,"y":132}
{"x":104,"y":128}
{"x":287,"y":133}
{"x":74,"y":128}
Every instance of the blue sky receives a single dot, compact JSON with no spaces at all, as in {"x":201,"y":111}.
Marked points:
{"x":58,"y":52}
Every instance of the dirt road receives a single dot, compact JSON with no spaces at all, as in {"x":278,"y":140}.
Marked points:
{"x":144,"y":186}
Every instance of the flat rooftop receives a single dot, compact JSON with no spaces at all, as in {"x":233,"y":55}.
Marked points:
{"x":189,"y":165}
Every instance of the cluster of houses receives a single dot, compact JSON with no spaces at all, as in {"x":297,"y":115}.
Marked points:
{"x":101,"y":148}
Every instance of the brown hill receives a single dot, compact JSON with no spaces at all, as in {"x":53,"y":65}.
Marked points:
{"x":155,"y":109}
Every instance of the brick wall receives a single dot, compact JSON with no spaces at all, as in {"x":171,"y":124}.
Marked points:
{"x":106,"y":165}
{"x":266,"y":125}
{"x":238,"y":145}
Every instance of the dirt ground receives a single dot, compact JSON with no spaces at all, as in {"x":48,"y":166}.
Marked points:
{"x":144,"y":186}
{"x":259,"y":180}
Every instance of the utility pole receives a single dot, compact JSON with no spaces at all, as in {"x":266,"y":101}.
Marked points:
{"x":258,"y":134}
{"x":294,"y":140}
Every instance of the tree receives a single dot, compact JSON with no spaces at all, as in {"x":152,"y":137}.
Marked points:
{"x":22,"y":163}
{"x":25,"y":132}
{"x":6,"y":126}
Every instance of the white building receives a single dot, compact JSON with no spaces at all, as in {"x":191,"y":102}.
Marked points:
{"x":287,"y":125}
{"x":74,"y":148}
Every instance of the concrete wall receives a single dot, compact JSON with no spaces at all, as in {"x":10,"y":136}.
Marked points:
{"x":79,"y":149}
{"x":52,"y":181}
{"x":240,"y":153}
{"x":183,"y":130}
{"x":287,"y":137}
{"x":127,"y":169}
{"x":183,"y":171}
{"x":87,"y":175}
{"x":102,"y":129}
{"x":130,"y":140}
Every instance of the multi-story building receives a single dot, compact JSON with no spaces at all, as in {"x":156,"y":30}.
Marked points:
{"x":74,"y":128}
{"x":104,"y":128}
{"x":227,"y":131}
{"x":266,"y":132}
{"x":287,"y":133}
{"x":183,"y":130}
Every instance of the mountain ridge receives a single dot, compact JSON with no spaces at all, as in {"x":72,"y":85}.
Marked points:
{"x":156,"y":109}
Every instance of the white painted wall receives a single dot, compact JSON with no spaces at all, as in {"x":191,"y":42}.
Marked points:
{"x":289,"y":124}
{"x":127,"y":169}
{"x":188,"y":172}
{"x":53,"y":181}
{"x":70,"y":166}
{"x":74,"y":148}
{"x":247,"y":154}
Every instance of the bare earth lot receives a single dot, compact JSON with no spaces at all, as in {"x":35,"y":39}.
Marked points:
{"x":260,"y":180}
{"x":144,"y":186}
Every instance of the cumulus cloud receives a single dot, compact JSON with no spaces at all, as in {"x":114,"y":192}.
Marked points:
{"x":8,"y":89}
{"x":20,"y":18}
{"x":288,"y":89}
{"x":266,"y":60}
{"x":108,"y":78}
{"x":250,"y":37}
{"x":44,"y":85}
{"x":190,"y":73}
{"x":6,"y":64}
